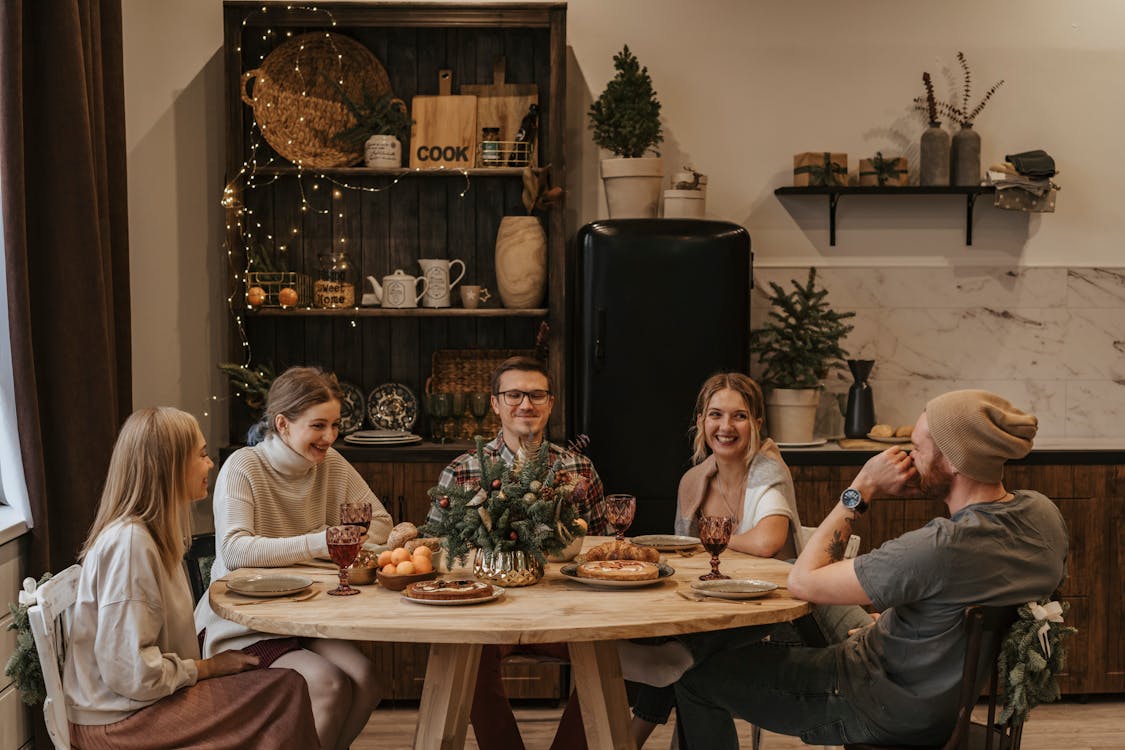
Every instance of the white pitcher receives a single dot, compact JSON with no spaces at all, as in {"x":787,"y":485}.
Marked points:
{"x":437,"y":272}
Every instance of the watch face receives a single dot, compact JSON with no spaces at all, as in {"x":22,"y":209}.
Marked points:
{"x":851,"y":498}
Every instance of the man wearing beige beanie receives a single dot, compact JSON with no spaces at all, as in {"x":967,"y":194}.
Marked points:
{"x":896,"y":681}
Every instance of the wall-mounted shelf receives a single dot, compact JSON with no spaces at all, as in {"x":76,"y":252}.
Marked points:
{"x":406,"y":312}
{"x":834,"y":193}
{"x":389,"y":171}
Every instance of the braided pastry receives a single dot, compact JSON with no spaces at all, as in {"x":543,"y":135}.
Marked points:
{"x":616,"y":550}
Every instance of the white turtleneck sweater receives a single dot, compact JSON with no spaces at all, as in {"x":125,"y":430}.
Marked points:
{"x":272,"y":506}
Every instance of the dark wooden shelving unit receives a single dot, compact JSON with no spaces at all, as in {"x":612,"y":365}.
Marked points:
{"x":411,"y":312}
{"x":270,"y":171}
{"x":971,"y":194}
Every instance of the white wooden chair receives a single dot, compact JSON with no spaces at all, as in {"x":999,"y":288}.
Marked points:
{"x":50,"y":626}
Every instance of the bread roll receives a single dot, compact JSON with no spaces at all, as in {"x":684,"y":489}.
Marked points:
{"x":882,"y":430}
{"x":616,"y":550}
{"x":431,"y":541}
{"x":905,"y":431}
{"x":401,"y":534}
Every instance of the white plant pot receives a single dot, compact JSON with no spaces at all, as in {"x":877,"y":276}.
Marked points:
{"x":683,"y":204}
{"x":632,"y":187}
{"x":382,"y":151}
{"x":791,"y":414}
{"x":521,"y":262}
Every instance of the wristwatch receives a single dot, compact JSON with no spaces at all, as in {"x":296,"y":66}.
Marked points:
{"x":852,"y":500}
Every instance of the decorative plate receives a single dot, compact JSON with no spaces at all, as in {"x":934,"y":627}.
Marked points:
{"x":571,"y":572}
{"x":269,"y":584}
{"x":392,"y":406}
{"x":666,"y":542}
{"x":734,"y":588}
{"x":888,"y":439}
{"x":352,"y":409}
{"x":497,"y":592}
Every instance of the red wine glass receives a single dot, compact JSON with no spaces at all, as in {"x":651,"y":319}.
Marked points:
{"x":343,"y":546}
{"x":714,"y":534}
{"x":619,"y":510}
{"x":356,"y":514}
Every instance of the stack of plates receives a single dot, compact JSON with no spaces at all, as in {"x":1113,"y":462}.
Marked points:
{"x":382,"y":437}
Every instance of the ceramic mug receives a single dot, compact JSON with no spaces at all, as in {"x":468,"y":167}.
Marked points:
{"x":399,"y":289}
{"x":437,"y":271}
{"x":472,"y":295}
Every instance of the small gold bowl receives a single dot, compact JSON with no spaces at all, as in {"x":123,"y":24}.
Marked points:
{"x":396,"y":582}
{"x":361,"y":575}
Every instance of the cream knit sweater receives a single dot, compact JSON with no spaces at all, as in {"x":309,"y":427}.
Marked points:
{"x":272,"y":506}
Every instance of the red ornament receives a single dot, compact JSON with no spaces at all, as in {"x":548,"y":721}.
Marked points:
{"x":513,"y":536}
{"x":495,"y":484}
{"x":444,"y":502}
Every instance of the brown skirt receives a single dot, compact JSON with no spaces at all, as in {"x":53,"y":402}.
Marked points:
{"x":262,"y":708}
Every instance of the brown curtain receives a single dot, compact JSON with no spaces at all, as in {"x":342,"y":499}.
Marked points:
{"x":62,"y":145}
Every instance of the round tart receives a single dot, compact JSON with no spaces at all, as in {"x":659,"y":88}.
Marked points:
{"x":619,"y":570}
{"x":459,"y":589}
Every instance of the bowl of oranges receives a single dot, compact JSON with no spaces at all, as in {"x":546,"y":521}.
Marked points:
{"x":398,"y":568}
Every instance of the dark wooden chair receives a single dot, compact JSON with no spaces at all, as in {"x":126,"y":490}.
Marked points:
{"x":197,"y":561}
{"x":985,"y":628}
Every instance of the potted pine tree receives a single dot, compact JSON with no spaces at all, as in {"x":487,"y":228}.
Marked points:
{"x":797,"y":347}
{"x":625,"y":120}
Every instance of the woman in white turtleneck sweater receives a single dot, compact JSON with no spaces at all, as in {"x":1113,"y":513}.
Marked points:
{"x":273,"y":503}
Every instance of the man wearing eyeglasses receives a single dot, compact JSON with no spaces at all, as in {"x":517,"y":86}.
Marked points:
{"x":522,"y":398}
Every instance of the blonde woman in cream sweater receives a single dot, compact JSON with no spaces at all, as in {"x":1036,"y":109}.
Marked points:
{"x":134,"y":677}
{"x":273,"y":503}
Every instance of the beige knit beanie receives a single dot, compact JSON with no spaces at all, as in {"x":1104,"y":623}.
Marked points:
{"x":978,"y":431}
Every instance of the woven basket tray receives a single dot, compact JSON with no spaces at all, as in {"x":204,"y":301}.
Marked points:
{"x":469,"y":371}
{"x":298,"y":108}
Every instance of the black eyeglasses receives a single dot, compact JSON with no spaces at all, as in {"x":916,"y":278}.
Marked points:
{"x":515,"y":397}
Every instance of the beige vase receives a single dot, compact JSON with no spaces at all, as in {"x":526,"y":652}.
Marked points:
{"x":791,"y":414}
{"x":632,"y":186}
{"x":521,"y":262}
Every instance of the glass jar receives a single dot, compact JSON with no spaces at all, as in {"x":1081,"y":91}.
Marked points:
{"x":490,"y":147}
{"x":336,"y":281}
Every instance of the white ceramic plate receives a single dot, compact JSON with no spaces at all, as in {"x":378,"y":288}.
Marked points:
{"x":666,"y":542}
{"x":891,"y":439}
{"x":809,"y":444}
{"x":269,"y":584}
{"x":497,"y":592}
{"x":571,"y":572}
{"x":734,"y":588}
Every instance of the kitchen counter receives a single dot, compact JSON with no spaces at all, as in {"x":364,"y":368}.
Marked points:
{"x":1070,"y":451}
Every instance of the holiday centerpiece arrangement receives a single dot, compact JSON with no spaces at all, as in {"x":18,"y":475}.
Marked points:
{"x":512,"y":518}
{"x":797,"y":347}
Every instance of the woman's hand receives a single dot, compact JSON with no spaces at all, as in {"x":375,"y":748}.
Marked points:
{"x":225,"y":663}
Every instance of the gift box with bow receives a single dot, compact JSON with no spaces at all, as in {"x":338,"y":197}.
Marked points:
{"x":883,"y":172}
{"x":819,"y":169}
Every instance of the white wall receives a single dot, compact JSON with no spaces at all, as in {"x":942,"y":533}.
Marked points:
{"x":744,"y":83}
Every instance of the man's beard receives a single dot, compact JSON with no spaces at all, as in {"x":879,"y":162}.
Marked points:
{"x":936,"y":482}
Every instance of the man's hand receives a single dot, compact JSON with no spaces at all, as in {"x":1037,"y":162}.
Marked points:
{"x":874,"y":618}
{"x":890,"y":473}
{"x":224,"y":663}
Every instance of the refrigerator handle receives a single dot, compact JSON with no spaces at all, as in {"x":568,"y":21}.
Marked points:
{"x":599,"y":336}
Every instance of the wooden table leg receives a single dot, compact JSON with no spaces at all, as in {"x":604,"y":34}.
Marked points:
{"x":447,"y":696}
{"x":601,"y":690}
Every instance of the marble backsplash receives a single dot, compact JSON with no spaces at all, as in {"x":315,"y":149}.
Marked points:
{"x":1050,"y":340}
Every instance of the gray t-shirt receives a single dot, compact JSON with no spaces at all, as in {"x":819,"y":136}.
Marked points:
{"x":903,"y":673}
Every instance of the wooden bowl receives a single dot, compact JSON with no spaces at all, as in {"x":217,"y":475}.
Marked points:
{"x":395,"y":582}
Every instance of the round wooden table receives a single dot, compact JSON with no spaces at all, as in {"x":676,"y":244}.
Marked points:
{"x":555,"y":610}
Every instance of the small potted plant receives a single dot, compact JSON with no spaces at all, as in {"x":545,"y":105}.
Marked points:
{"x":381,"y":124}
{"x":625,"y":120}
{"x":797,"y":347}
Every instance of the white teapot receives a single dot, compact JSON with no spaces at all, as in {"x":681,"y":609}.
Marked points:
{"x":399,"y":289}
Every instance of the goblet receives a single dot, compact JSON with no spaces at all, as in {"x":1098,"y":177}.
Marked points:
{"x":619,"y":509}
{"x":714,"y":533}
{"x":457,"y":403}
{"x":478,"y":407}
{"x":438,"y":407}
{"x":356,"y":514}
{"x":343,"y":546}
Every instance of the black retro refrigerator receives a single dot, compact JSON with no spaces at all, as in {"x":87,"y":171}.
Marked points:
{"x":662,"y":305}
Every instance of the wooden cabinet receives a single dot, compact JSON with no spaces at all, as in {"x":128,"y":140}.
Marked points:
{"x":1092,"y":501}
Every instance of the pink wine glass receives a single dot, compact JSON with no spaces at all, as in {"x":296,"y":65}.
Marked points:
{"x":714,"y":534}
{"x":619,"y":509}
{"x":343,"y":546}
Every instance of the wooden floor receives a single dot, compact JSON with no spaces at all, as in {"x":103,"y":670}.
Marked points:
{"x":1098,"y":724}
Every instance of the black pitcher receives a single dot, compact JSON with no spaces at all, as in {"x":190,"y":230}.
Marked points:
{"x":860,"y":417}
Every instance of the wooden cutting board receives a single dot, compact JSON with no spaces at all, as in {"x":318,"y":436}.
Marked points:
{"x":444,"y":133}
{"x":503,"y":105}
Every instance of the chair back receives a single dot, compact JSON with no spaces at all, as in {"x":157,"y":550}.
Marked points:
{"x":49,"y":618}
{"x":985,"y":629}
{"x":196,"y":557}
{"x":850,"y":551}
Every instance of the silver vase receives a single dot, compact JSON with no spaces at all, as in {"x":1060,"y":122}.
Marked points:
{"x":508,"y":569}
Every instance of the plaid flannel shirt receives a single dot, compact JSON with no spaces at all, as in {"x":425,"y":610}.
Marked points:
{"x":465,"y":469}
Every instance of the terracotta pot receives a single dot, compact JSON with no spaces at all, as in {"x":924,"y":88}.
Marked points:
{"x":791,"y":414}
{"x":632,"y":187}
{"x":521,"y":262}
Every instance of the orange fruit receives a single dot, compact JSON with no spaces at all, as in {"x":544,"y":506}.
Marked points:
{"x":255,"y":296}
{"x":423,"y":550}
{"x":422,"y":564}
{"x":384,"y":558}
{"x":287,"y":296}
{"x":405,"y":568}
{"x":399,"y":555}
{"x":389,"y":569}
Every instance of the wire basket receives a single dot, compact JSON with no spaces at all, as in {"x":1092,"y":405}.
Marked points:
{"x":297,"y":97}
{"x":505,"y":154}
{"x":284,"y":289}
